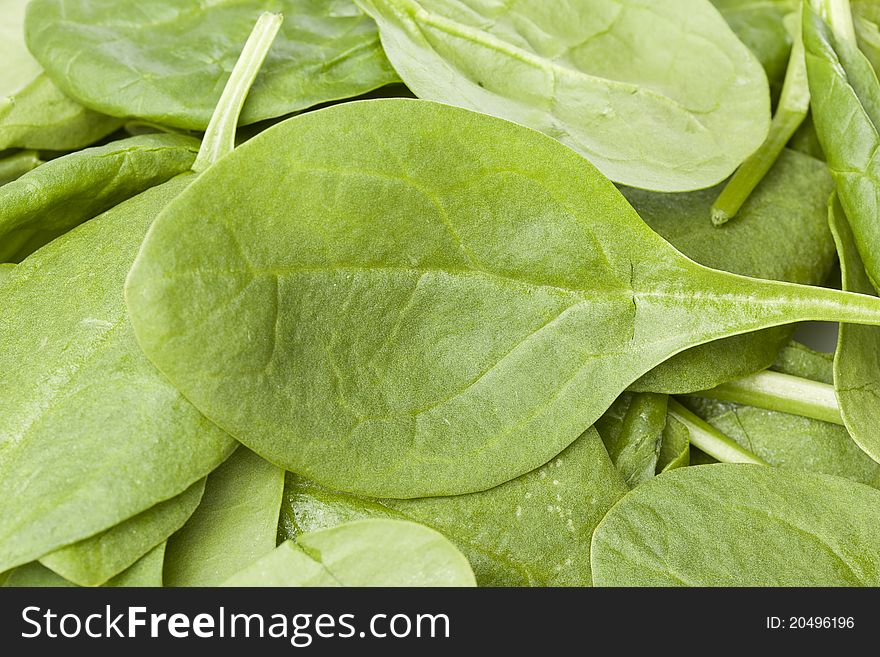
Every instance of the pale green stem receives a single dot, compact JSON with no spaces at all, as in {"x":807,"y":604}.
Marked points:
{"x":794,"y":104}
{"x":15,"y":166}
{"x":780,"y":392}
{"x":710,"y":440}
{"x":219,"y":138}
{"x":838,"y":14}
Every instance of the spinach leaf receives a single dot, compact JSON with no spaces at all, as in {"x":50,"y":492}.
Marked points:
{"x":866,"y":20}
{"x":740,"y":525}
{"x":147,"y":572}
{"x":163,"y":63}
{"x":675,"y":447}
{"x":400,"y":313}
{"x":97,"y":559}
{"x":363,"y":553}
{"x":88,"y":389}
{"x":15,"y":165}
{"x":632,"y":430}
{"x":799,"y":360}
{"x":235,"y":524}
{"x":857,"y":359}
{"x":759,"y":25}
{"x":531,"y":531}
{"x":662,"y":441}
{"x":789,"y":210}
{"x":843,"y":84}
{"x":33,"y":111}
{"x":660,"y":96}
{"x":65,"y":192}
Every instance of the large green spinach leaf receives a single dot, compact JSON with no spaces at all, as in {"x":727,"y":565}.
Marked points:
{"x":857,"y":359}
{"x":167,"y":62}
{"x":97,"y":559}
{"x":660,"y":96}
{"x":846,"y":112}
{"x":65,"y":192}
{"x":740,"y":525}
{"x":531,"y":531}
{"x":423,"y":300}
{"x":362,"y":553}
{"x":33,"y":111}
{"x":236,"y":523}
{"x":787,"y":210}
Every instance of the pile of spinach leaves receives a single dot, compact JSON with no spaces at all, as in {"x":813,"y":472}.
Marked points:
{"x":438,"y":293}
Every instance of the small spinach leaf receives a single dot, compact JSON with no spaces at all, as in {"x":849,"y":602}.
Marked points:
{"x":163,"y":63}
{"x":235,"y":524}
{"x":604,"y":78}
{"x":400,"y":313}
{"x":363,"y":553}
{"x":632,"y":430}
{"x":740,"y":525}
{"x":675,"y":448}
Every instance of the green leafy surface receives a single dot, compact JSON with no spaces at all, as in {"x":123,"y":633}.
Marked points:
{"x":675,"y":448}
{"x":789,"y":211}
{"x":759,"y":25}
{"x":97,"y":559}
{"x":90,"y":433}
{"x":531,"y":531}
{"x":34,"y":113}
{"x":423,"y":300}
{"x":363,"y":553}
{"x":167,"y":62}
{"x":799,"y":360}
{"x":857,"y":359}
{"x":63,"y":193}
{"x":660,"y":96}
{"x":236,"y":523}
{"x":632,"y":430}
{"x":15,"y":165}
{"x":740,"y":525}
{"x":846,"y":113}
{"x":866,"y":19}
{"x":145,"y":572}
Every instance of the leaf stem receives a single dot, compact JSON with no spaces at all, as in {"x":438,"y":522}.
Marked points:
{"x":775,"y":391}
{"x":219,"y":138}
{"x":794,"y":104}
{"x":710,"y":440}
